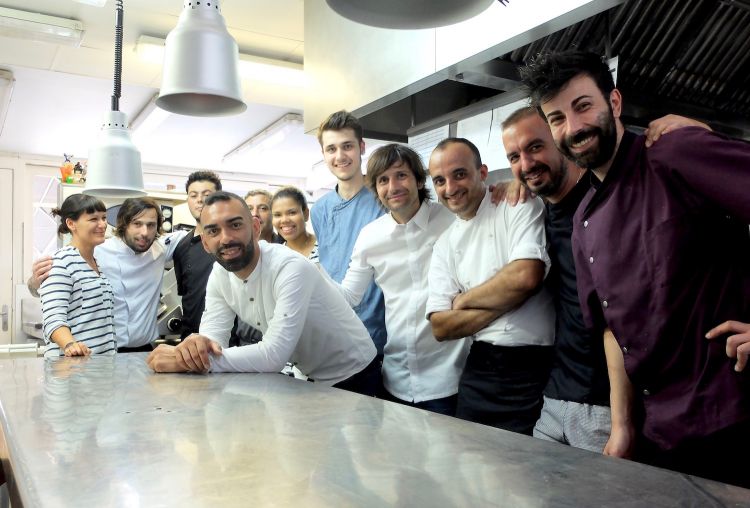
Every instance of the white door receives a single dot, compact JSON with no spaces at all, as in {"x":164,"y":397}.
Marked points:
{"x":6,"y":254}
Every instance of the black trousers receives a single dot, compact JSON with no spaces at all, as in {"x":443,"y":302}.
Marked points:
{"x":716,"y":457}
{"x":502,"y":386}
{"x":367,"y":381}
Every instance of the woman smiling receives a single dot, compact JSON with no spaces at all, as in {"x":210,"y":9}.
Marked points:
{"x":77,"y":303}
{"x":290,"y":215}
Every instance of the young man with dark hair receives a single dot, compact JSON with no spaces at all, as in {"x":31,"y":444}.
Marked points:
{"x":395,"y":251}
{"x":484,"y":281}
{"x":133,"y":262}
{"x":192,"y":264}
{"x":339,"y":216}
{"x":303,"y":318}
{"x":678,"y":213}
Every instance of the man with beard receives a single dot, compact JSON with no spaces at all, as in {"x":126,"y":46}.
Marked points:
{"x":485,"y":278}
{"x":678,"y":215}
{"x":576,"y":398}
{"x":133,"y":261}
{"x":303,"y":318}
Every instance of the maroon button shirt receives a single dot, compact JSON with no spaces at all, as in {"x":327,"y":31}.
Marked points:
{"x":662,"y":253}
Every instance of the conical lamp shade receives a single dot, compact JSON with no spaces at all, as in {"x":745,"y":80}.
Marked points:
{"x":200,"y":75}
{"x":114,"y":166}
{"x":409,"y":14}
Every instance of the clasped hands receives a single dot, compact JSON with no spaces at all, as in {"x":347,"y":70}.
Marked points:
{"x":191,"y":355}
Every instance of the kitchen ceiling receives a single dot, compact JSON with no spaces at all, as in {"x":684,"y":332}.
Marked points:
{"x":62,"y":93}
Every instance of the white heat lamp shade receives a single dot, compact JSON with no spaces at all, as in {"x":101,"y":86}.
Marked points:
{"x":409,"y":14}
{"x":200,"y":75}
{"x":114,"y":166}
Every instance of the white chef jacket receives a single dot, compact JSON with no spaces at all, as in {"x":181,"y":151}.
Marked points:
{"x":303,"y":318}
{"x":416,"y":367}
{"x":472,"y":251}
{"x":136,"y":285}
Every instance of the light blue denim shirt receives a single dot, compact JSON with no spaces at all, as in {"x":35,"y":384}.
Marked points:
{"x":337,"y":223}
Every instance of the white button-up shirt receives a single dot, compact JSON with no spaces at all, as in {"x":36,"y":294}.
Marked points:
{"x":136,"y":285}
{"x":303,"y":317}
{"x":416,"y":367}
{"x":472,"y":251}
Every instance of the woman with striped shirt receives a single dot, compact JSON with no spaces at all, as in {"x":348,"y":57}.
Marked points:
{"x":77,"y":302}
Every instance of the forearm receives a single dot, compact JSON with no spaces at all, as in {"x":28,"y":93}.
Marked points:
{"x":62,"y":337}
{"x":457,"y":324}
{"x":506,"y":290}
{"x":620,"y":398}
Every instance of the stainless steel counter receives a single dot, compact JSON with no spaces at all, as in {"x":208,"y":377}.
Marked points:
{"x":107,"y":432}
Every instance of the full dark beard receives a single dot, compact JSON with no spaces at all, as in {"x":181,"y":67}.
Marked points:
{"x":552,"y":186}
{"x":238,"y":263}
{"x":606,"y":134}
{"x":136,"y":248}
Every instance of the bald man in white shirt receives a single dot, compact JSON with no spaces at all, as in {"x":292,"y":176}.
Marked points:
{"x":485,"y":283}
{"x":303,"y":317}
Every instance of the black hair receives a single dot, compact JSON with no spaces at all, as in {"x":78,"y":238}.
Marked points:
{"x":73,"y":207}
{"x":463,"y":141}
{"x":203,"y":176}
{"x":132,"y":208}
{"x":292,"y":193}
{"x":388,"y":155}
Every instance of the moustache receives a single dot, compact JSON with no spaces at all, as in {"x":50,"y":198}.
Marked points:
{"x":232,"y":245}
{"x":581,"y":135}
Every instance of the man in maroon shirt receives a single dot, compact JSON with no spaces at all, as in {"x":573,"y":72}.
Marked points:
{"x":661,"y":250}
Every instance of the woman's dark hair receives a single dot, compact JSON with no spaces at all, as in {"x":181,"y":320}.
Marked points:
{"x":292,"y":193}
{"x":132,"y":208}
{"x":73,"y":207}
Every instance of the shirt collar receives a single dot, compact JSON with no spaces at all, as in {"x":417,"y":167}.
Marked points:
{"x":420,"y":219}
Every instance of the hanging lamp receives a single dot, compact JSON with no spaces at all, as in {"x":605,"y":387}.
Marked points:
{"x":408,"y":14}
{"x":114,"y":165}
{"x":200,"y":75}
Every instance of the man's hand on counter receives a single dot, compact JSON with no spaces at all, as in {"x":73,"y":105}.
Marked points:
{"x":166,"y":359}
{"x":194,"y":352}
{"x":39,"y":271}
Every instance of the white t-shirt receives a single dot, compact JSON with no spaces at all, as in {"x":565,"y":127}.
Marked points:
{"x":472,"y":251}
{"x":136,"y":284}
{"x":303,"y":318}
{"x":416,"y":367}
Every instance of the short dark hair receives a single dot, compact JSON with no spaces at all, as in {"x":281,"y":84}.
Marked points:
{"x":224,"y":196}
{"x":463,"y":141}
{"x":73,"y":207}
{"x":291,"y":193}
{"x":203,"y":176}
{"x":339,"y":121}
{"x":546,"y":74}
{"x":132,"y":208}
{"x":520,"y":114}
{"x":388,"y":155}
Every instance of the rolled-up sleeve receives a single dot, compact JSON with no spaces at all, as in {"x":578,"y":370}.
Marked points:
{"x":443,"y":285}
{"x":527,"y":239}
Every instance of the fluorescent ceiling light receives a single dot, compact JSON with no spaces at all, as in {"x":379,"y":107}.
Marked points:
{"x":6,"y":92}
{"x":40,"y":27}
{"x":151,"y":50}
{"x":269,"y":137}
{"x":95,"y":3}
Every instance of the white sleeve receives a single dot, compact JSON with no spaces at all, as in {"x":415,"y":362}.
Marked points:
{"x":218,"y":317}
{"x":358,"y":276}
{"x":442,"y":280}
{"x":292,"y":291}
{"x":526,"y":236}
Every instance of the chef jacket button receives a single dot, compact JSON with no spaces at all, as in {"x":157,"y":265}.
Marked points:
{"x":585,"y":223}
{"x":591,"y":260}
{"x":646,"y":392}
{"x":605,"y":304}
{"x":625,"y":349}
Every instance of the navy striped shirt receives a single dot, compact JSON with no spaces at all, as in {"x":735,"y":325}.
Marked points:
{"x":75,"y":296}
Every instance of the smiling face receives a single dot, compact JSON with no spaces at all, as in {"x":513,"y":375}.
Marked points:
{"x":398,"y":190}
{"x":230,"y":235}
{"x":260,"y":208}
{"x":288,"y":218}
{"x":583,"y":122}
{"x":534,"y":158}
{"x":342,"y":152}
{"x":197,"y":192}
{"x":88,"y":229}
{"x":458,"y":182}
{"x":141,"y":231}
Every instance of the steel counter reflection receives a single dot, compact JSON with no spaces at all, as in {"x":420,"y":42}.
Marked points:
{"x":105,"y":431}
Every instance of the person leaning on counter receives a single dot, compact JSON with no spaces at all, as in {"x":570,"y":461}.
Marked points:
{"x":303,"y":317}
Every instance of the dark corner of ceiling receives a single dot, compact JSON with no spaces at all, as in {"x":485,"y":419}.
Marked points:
{"x":686,"y":58}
